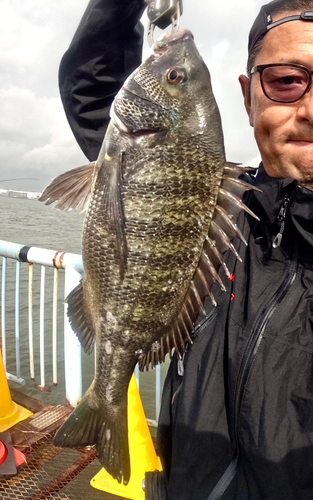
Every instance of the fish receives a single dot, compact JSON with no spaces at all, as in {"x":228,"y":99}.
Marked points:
{"x":161,"y":204}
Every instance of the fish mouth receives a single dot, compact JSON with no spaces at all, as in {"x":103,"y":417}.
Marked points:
{"x":160,"y":46}
{"x":173,"y":38}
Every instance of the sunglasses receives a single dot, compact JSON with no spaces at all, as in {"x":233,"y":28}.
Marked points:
{"x":284,"y":82}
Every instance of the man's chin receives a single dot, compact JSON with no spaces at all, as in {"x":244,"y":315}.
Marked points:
{"x":306,"y":180}
{"x":301,"y":171}
{"x":296,"y":160}
{"x":303,"y":174}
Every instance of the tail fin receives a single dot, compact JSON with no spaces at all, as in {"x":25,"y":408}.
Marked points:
{"x":87,"y":426}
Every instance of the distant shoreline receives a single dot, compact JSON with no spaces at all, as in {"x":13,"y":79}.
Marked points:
{"x":27,"y":195}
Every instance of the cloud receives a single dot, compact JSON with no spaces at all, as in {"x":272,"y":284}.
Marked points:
{"x":219,"y":50}
{"x":35,"y":138}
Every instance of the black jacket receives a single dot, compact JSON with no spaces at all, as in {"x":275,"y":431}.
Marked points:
{"x":238,"y":424}
{"x":245,"y":402}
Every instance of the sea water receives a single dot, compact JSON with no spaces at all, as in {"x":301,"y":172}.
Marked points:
{"x":29,"y":222}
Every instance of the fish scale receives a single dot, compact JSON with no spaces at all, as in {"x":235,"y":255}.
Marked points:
{"x":161,"y":208}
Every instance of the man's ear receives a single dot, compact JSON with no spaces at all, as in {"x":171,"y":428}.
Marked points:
{"x":245,"y":89}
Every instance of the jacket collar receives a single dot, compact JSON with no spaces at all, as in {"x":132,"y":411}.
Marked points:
{"x":273,"y":192}
{"x":299,"y":217}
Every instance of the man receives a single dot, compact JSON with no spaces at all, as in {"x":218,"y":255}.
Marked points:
{"x":236,"y":420}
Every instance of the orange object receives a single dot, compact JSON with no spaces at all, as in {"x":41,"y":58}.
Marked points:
{"x":3,"y":453}
{"x":19,"y":457}
{"x":7,"y":461}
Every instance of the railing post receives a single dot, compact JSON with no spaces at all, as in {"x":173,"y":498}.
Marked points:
{"x":72,"y":347}
{"x":3,"y":292}
{"x":42,"y":327}
{"x":54,"y":326}
{"x":17,"y":319}
{"x":30,"y":322}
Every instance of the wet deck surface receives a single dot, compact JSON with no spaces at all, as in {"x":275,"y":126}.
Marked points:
{"x":50,"y":472}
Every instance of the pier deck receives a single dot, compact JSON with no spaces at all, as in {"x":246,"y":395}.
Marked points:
{"x":50,"y":472}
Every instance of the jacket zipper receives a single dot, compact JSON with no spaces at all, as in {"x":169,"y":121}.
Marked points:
{"x":250,"y":354}
{"x":246,"y":364}
{"x":209,"y":317}
{"x":263,"y":319}
{"x":281,"y":222}
{"x":256,"y":338}
{"x":180,"y":362}
{"x":198,"y":329}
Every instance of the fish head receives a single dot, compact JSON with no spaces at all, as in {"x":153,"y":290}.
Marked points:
{"x":170,"y":91}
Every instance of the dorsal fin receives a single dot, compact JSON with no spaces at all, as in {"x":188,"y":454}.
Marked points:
{"x":222,"y":230}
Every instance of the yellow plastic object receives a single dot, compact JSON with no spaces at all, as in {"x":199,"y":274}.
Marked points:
{"x":10,"y":412}
{"x":143,"y":457}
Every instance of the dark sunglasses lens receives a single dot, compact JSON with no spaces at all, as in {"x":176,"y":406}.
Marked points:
{"x":285,"y":83}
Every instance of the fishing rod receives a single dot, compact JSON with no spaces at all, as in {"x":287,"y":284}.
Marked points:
{"x":20,"y":179}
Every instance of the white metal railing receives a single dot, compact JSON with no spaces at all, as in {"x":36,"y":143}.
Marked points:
{"x":73,"y":266}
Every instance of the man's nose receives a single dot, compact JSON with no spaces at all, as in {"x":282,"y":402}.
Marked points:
{"x":305,"y":107}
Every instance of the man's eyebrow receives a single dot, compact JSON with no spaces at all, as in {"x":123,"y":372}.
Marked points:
{"x":292,"y":60}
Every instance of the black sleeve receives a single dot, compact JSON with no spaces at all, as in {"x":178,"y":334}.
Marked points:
{"x":106,"y":48}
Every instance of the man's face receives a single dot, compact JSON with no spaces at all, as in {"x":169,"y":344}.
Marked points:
{"x":284,"y":132}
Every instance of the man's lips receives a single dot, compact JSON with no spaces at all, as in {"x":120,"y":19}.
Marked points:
{"x":301,"y":142}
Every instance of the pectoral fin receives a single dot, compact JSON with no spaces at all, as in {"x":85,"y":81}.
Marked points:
{"x":71,"y":190}
{"x":110,"y":177}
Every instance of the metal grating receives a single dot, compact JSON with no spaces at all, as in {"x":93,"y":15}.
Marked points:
{"x":49,"y":417}
{"x":81,"y":484}
{"x":55,"y":473}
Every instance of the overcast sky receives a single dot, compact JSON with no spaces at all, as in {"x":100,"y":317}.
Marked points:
{"x":35,"y":139}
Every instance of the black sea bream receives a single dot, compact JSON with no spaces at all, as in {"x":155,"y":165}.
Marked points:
{"x":150,"y":247}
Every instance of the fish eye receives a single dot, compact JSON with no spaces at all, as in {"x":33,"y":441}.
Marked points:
{"x":175,"y":76}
